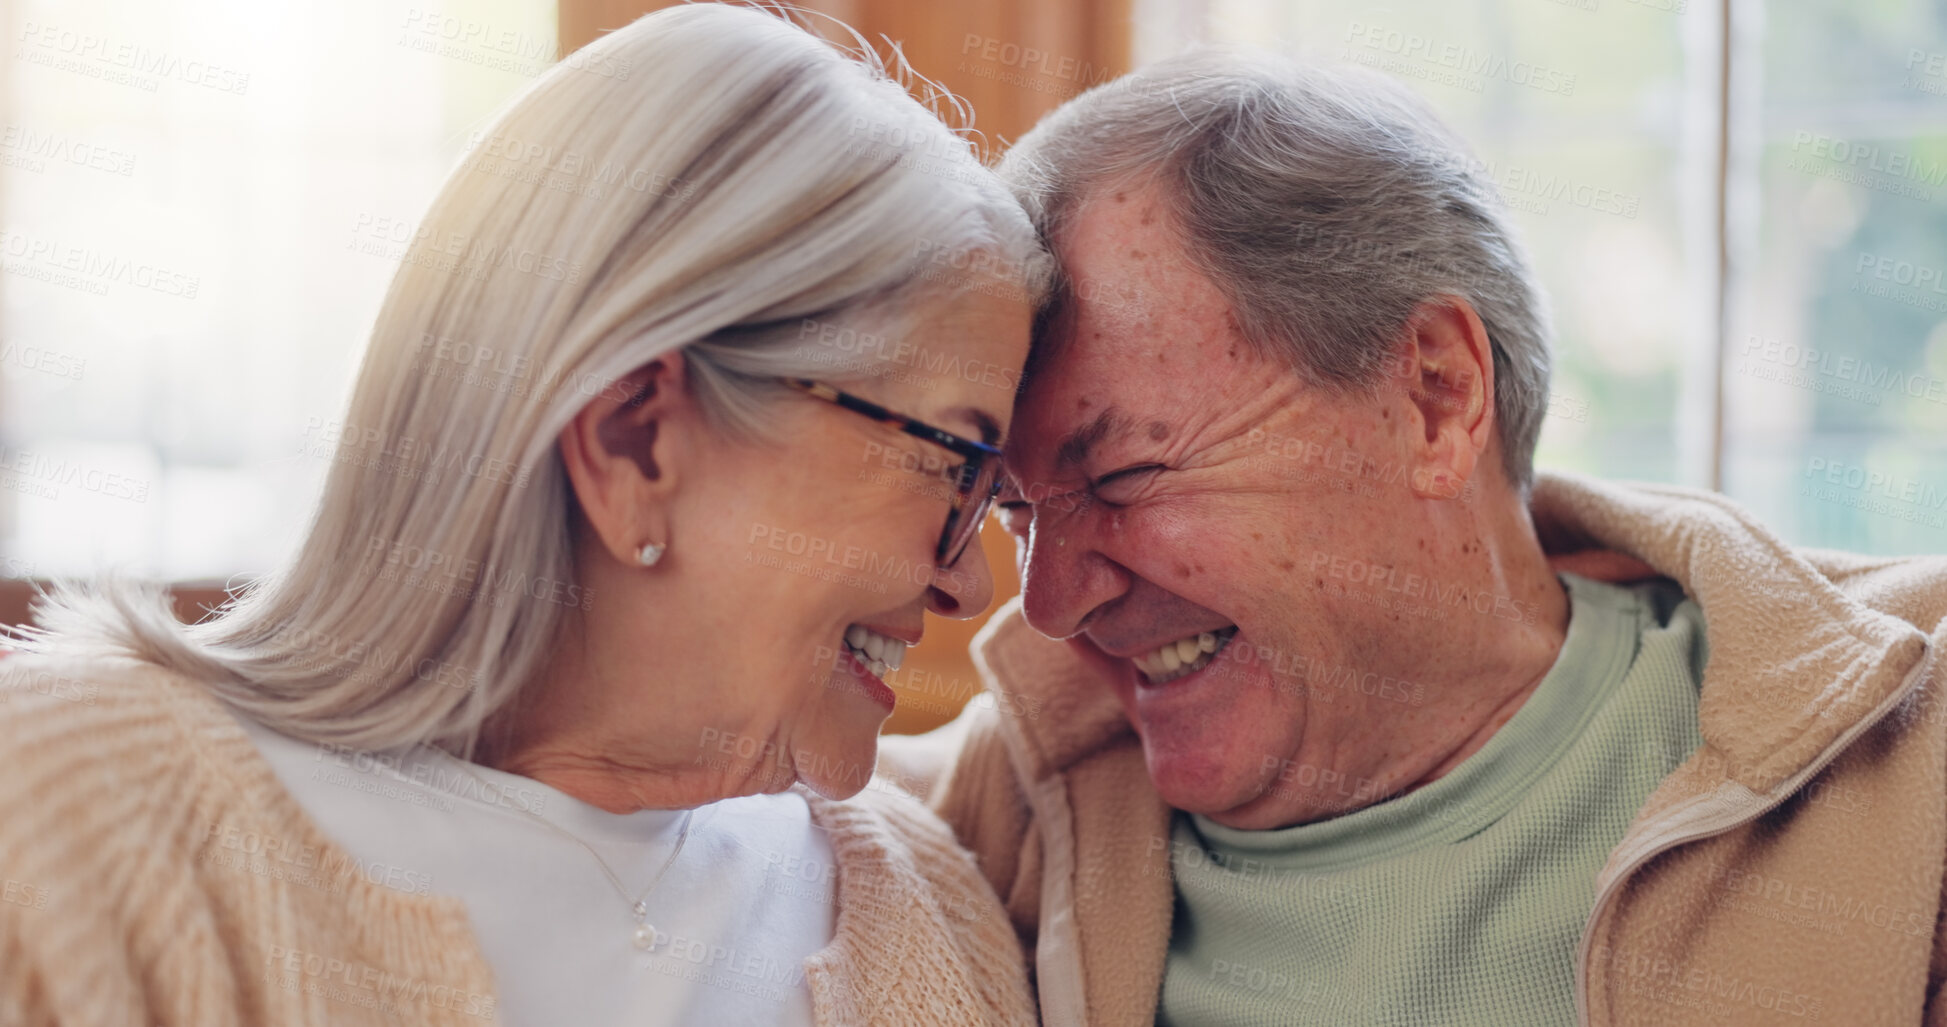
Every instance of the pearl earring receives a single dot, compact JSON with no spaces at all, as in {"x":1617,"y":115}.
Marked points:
{"x":649,"y":554}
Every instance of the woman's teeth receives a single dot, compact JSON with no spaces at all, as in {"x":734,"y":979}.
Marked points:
{"x":1172,"y":660}
{"x":878,"y":652}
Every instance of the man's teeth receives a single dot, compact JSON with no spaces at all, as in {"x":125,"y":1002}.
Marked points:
{"x":879,"y":653}
{"x":1172,"y":660}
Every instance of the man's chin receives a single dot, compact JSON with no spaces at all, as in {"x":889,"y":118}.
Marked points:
{"x":1197,"y":782}
{"x":1205,"y":738}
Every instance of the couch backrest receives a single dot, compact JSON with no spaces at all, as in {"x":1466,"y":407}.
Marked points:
{"x":194,"y":599}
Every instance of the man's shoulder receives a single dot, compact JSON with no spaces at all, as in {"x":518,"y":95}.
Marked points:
{"x":886,"y":811}
{"x":890,"y":848}
{"x":1054,"y":700}
{"x":1912,"y":588}
{"x":961,"y":771}
{"x":1644,"y":529}
{"x":936,"y":932}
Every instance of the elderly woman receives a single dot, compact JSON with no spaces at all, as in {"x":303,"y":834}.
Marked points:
{"x":679,"y":414}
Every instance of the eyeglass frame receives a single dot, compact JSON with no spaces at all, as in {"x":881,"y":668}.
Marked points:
{"x":974,"y":451}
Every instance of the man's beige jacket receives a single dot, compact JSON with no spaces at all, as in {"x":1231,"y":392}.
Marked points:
{"x":1789,"y":871}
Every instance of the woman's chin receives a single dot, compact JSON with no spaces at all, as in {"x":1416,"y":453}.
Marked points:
{"x":842,"y":763}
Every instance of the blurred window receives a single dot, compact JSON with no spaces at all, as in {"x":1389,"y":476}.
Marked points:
{"x":201,"y":204}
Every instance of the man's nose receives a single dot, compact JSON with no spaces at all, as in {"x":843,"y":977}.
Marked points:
{"x":1063,"y":579}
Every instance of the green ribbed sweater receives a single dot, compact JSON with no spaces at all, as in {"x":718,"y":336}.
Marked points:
{"x":1460,"y":903}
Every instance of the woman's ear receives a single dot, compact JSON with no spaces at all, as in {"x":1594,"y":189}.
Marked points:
{"x":617,"y":454}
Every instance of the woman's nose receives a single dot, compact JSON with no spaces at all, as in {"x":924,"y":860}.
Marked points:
{"x":965,"y":588}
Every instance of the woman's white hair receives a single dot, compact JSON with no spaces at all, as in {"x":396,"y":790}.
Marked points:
{"x":1326,"y":203}
{"x":706,"y":181}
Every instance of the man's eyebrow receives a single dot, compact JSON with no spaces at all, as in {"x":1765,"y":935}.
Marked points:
{"x":1074,"y":447}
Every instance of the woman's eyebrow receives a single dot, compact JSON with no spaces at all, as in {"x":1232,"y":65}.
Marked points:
{"x":989,"y":425}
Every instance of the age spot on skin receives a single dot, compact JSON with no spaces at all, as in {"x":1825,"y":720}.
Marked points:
{"x":1158,"y":430}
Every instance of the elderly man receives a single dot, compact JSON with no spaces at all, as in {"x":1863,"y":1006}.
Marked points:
{"x":1303,"y":716}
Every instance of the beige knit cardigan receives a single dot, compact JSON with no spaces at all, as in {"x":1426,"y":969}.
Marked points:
{"x":1791,"y":870}
{"x":156,"y":871}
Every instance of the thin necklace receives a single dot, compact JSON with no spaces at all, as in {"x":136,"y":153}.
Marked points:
{"x":645,"y":933}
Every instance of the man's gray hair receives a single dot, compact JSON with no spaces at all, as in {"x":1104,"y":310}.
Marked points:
{"x":1325,"y":203}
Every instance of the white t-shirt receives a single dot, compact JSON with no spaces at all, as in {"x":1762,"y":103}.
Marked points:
{"x":749,"y":898}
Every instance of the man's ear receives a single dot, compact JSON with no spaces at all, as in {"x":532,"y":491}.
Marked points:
{"x":617,"y":454}
{"x":1448,"y":365}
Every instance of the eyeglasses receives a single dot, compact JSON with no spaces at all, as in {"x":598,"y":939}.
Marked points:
{"x":976,"y":482}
